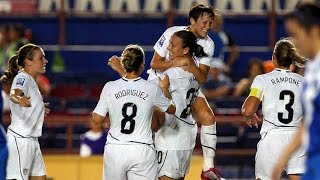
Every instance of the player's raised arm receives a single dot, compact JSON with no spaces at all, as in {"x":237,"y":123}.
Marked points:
{"x":159,"y":63}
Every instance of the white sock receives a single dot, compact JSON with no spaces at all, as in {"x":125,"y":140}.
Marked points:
{"x":208,"y":142}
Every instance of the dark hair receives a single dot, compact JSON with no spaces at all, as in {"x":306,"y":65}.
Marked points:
{"x":286,"y":54}
{"x":189,"y":40}
{"x":200,"y":10}
{"x":132,"y":58}
{"x":26,"y":51}
{"x":307,"y":15}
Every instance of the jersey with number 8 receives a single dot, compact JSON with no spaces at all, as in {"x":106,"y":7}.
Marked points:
{"x":130,"y":105}
{"x":281,"y":105}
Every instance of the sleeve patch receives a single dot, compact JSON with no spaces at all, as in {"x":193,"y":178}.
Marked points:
{"x":20,"y":81}
{"x":161,"y":40}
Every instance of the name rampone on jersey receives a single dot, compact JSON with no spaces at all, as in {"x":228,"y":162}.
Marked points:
{"x":131,"y":92}
{"x":285,"y":80}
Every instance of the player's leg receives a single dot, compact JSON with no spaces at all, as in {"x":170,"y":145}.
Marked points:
{"x":174,"y":164}
{"x":115,"y":158}
{"x":38,"y":177}
{"x":37,"y":170}
{"x":203,"y":114}
{"x":143,"y":163}
{"x":20,"y":158}
{"x":269,"y":150}
{"x":296,"y":163}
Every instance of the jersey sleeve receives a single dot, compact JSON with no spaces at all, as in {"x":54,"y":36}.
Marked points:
{"x":257,"y":87}
{"x":161,"y":46}
{"x":208,"y":49}
{"x":160,"y":100}
{"x":102,"y":107}
{"x":21,"y":82}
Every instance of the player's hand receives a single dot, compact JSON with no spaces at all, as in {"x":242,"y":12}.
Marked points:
{"x":24,"y":101}
{"x":114,"y":62}
{"x":253,"y":121}
{"x":180,"y":62}
{"x":164,"y":83}
{"x":186,"y":64}
{"x":46,"y":109}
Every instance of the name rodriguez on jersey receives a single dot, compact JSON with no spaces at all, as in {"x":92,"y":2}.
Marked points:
{"x":290,"y":80}
{"x":131,"y":92}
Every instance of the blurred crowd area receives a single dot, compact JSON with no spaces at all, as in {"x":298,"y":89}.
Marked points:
{"x":77,"y":72}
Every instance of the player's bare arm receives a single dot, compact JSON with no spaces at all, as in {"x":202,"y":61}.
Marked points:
{"x":115,"y":64}
{"x":200,"y":73}
{"x":159,"y":63}
{"x":97,"y":119}
{"x":249,"y":109}
{"x":18,"y":97}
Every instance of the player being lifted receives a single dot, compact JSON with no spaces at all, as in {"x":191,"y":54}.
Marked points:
{"x":279,"y":91}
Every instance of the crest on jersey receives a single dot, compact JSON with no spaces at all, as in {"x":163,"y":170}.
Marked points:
{"x":161,"y":40}
{"x":20,"y":81}
{"x":25,"y":171}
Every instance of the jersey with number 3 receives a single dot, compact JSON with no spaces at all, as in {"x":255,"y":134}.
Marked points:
{"x":281,"y":104}
{"x":179,"y":130}
{"x":130,"y":104}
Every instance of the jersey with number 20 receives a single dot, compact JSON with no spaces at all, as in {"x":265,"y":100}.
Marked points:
{"x":130,"y":104}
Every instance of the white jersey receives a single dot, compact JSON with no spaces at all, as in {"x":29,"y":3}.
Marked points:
{"x":281,"y":105}
{"x":179,"y":130}
{"x":161,"y":47}
{"x":27,"y":121}
{"x":130,"y":103}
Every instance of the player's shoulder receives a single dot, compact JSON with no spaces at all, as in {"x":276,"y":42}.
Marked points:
{"x":297,"y":76}
{"x":174,"y":29}
{"x":21,"y":79}
{"x":176,"y":73}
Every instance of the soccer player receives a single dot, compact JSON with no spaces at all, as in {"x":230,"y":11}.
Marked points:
{"x":175,"y":140}
{"x":279,"y":91}
{"x":27,"y":113}
{"x":303,"y":26}
{"x":130,"y":101}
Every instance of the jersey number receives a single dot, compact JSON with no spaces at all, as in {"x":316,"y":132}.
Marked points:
{"x":189,"y":97}
{"x":128,"y":118}
{"x":288,"y":107}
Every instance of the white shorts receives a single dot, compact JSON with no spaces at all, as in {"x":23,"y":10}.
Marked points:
{"x":174,"y":163}
{"x":269,"y":149}
{"x":25,"y":158}
{"x":131,"y":162}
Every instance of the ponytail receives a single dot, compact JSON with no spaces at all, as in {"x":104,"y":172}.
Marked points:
{"x":199,"y":52}
{"x":11,"y":71}
{"x":286,"y":54}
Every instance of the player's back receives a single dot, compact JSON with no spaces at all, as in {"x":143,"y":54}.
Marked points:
{"x":179,"y":130}
{"x":131,"y":103}
{"x":281,"y":105}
